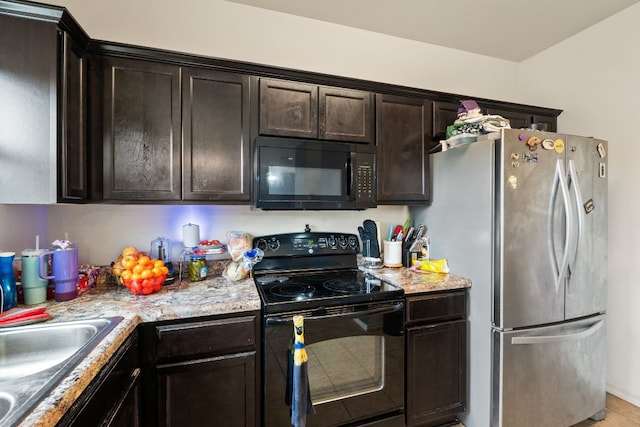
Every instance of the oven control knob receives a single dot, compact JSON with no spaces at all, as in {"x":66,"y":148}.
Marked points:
{"x":274,"y":245}
{"x":353,"y":242}
{"x":342,"y":241}
{"x":261,"y":244}
{"x":332,"y":241}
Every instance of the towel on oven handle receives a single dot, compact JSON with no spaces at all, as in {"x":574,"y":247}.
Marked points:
{"x":298,"y":394}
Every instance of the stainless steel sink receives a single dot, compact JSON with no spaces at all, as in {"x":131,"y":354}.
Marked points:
{"x":34,"y":359}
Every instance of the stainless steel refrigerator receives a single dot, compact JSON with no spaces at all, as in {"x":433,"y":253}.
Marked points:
{"x":524,"y":216}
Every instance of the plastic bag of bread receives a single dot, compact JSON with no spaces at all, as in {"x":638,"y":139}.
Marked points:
{"x":235,"y":271}
{"x":237,"y":243}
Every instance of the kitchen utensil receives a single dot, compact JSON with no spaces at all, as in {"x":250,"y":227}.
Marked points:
{"x":396,"y":231}
{"x":64,"y":269}
{"x":161,"y":249}
{"x":18,"y":317}
{"x":9,"y":297}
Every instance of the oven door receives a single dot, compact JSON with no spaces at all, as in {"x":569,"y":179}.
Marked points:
{"x":355,"y":364}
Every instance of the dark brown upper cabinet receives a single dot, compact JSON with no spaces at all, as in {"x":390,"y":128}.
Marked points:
{"x":345,"y":115}
{"x":317,"y":112}
{"x":216,"y":127}
{"x":43,"y":80}
{"x":403,"y":128}
{"x":141,"y":126}
{"x":73,"y":147}
{"x":519,"y":116}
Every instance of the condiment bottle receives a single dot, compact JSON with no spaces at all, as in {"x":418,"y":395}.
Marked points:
{"x":197,"y":268}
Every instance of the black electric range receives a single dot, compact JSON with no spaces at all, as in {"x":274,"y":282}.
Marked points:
{"x":314,"y":269}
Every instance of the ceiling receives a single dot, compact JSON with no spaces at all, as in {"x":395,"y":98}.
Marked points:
{"x":507,"y":29}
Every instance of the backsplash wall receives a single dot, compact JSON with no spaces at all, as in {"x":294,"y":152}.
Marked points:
{"x":101,"y":231}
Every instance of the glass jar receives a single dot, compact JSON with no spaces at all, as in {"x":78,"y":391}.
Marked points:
{"x":197,"y":268}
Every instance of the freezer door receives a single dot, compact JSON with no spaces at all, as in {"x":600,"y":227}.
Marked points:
{"x":586,"y":282}
{"x":549,"y":376}
{"x":528,"y":287}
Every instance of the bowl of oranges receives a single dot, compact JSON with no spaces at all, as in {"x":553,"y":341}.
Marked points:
{"x":138,"y":272}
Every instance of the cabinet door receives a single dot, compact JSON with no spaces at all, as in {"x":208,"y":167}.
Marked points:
{"x":403,"y":127}
{"x":288,"y":109}
{"x":345,"y":115}
{"x":72,"y":169}
{"x":550,"y":122}
{"x":141,"y":130}
{"x":436,"y":373}
{"x":28,"y":78}
{"x":208,"y":392}
{"x":113,"y":398}
{"x":444,"y":114}
{"x":215,"y":117}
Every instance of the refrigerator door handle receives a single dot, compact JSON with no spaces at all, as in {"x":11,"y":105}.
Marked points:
{"x":550,"y":339}
{"x":559,"y":270}
{"x":575,"y":186}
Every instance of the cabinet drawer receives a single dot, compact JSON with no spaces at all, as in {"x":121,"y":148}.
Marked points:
{"x":436,"y":306}
{"x":206,"y":337}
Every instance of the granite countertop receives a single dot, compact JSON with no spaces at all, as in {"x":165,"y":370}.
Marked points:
{"x":184,"y":300}
{"x":419,"y":282}
{"x":178,"y":301}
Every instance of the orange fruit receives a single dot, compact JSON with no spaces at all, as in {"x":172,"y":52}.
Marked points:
{"x":130,"y":251}
{"x":146,"y":274}
{"x":157,"y":271}
{"x":128,"y":262}
{"x":144,"y":260}
{"x":158,"y":263}
{"x":126,"y":274}
{"x":164,"y":269}
{"x":138,"y":268}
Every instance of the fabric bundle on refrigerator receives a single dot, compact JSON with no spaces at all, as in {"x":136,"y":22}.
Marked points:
{"x":298,"y":394}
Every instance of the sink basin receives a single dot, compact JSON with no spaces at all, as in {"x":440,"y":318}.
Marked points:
{"x":35,"y":358}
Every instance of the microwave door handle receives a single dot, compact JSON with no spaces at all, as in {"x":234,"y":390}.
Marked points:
{"x":348,"y":171}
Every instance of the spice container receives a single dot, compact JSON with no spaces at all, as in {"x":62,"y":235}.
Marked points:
{"x":197,"y":268}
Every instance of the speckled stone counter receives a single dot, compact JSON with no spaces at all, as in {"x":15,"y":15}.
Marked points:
{"x":179,"y":301}
{"x":417,"y":283}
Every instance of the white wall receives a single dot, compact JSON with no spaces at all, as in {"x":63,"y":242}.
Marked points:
{"x":101,"y":231}
{"x":594,"y":77}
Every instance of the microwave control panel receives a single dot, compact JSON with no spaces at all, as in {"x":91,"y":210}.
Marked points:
{"x":365,"y":179}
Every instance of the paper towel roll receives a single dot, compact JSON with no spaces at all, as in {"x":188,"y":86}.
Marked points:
{"x":190,"y":235}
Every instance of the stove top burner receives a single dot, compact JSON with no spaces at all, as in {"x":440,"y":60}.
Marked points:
{"x":343,"y":286}
{"x":293,"y":290}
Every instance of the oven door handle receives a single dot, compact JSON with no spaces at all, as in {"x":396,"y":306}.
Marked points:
{"x":346,"y":315}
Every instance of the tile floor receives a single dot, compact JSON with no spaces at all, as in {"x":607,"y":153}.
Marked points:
{"x":619,"y":414}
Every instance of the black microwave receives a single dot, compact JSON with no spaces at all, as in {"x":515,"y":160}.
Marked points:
{"x":313,"y":174}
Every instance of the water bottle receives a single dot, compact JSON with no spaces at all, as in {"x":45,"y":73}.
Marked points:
{"x":7,"y":282}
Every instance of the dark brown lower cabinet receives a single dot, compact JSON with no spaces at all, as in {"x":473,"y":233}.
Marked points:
{"x":113,"y":398}
{"x":436,"y":358}
{"x":208,"y":392}
{"x":203,"y":372}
